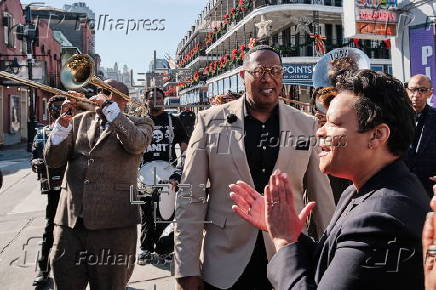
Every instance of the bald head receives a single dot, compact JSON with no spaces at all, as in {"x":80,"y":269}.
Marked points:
{"x":419,"y":90}
{"x":122,"y":88}
{"x":422,"y":79}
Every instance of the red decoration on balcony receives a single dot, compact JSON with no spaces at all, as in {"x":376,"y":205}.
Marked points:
{"x":356,"y":42}
{"x":242,"y":51}
{"x":234,"y":55}
{"x":190,"y":55}
{"x":319,"y":43}
{"x":226,"y":18}
{"x":387,"y":43}
{"x":171,"y":91}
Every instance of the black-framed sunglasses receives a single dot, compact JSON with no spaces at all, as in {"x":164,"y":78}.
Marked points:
{"x":419,"y":90}
{"x":276,"y":71}
{"x":104,"y":92}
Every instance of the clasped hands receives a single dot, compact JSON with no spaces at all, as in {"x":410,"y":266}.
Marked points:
{"x":70,"y":106}
{"x":273,"y":212}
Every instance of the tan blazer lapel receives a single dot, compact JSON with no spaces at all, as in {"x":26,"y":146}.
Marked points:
{"x":237,"y":145}
{"x":284,"y":156}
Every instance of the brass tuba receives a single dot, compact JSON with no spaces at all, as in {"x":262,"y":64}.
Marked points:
{"x":79,"y":71}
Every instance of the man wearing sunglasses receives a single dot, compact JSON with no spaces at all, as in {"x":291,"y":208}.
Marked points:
{"x":243,"y":140}
{"x":422,"y":153}
{"x":50,"y":179}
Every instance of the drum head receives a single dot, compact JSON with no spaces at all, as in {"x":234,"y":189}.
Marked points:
{"x":162,"y":170}
{"x":151,"y":173}
{"x":167,"y":203}
{"x":320,"y":73}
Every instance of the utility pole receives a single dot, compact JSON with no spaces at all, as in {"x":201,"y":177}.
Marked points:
{"x":30,"y":35}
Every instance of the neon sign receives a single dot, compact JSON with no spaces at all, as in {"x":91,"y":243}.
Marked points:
{"x":378,"y":3}
{"x":378,"y":15}
{"x":376,"y":28}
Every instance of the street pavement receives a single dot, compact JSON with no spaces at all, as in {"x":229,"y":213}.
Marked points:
{"x":22,"y":219}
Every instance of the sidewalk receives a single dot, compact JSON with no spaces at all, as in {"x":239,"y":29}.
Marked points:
{"x":22,"y":219}
{"x":151,"y":277}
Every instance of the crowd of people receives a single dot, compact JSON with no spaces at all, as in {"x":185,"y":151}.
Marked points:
{"x":348,"y":206}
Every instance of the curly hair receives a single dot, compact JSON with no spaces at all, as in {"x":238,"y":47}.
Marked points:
{"x":325,"y":95}
{"x":341,"y":66}
{"x":381,"y":99}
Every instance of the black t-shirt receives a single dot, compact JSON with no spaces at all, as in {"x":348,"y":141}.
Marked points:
{"x":159,"y":148}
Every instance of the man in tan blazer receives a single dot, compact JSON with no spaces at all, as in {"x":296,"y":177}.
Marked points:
{"x":95,"y":233}
{"x":246,"y":140}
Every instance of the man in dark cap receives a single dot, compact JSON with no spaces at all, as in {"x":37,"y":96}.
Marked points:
{"x":95,"y":224}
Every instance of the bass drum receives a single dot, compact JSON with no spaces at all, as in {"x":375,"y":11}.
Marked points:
{"x":320,"y":76}
{"x":153,"y":173}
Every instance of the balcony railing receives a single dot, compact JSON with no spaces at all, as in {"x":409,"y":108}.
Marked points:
{"x":235,"y":15}
{"x":300,"y":46}
{"x":337,"y":3}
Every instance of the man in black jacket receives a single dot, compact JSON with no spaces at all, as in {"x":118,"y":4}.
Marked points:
{"x":374,"y":238}
{"x":421,"y":156}
{"x":50,"y":179}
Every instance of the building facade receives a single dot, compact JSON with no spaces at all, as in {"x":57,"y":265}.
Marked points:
{"x":82,"y":8}
{"x":414,"y":48}
{"x":14,"y":100}
{"x":301,"y":30}
{"x":20,"y":104}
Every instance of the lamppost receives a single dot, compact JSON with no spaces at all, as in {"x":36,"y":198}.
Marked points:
{"x":30,"y":35}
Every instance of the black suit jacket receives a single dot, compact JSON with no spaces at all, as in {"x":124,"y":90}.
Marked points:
{"x":423,"y":162}
{"x":372,"y":242}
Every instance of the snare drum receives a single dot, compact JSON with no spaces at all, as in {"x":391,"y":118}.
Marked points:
{"x":153,"y":173}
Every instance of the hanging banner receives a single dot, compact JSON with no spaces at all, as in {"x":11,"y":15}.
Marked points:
{"x":423,"y":53}
{"x":298,"y":74}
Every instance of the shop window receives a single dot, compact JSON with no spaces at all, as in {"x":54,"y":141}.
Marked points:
{"x":234,"y":83}
{"x":241,"y":86}
{"x":8,"y":23}
{"x":210,"y":91}
{"x":226,"y":85}
{"x":287,"y":37}
{"x":44,"y":110}
{"x":339,"y":34}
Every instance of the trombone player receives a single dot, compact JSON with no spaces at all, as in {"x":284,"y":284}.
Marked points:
{"x":95,"y":224}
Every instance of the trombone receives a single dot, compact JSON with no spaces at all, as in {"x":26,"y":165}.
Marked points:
{"x":79,"y":71}
{"x":43,"y":87}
